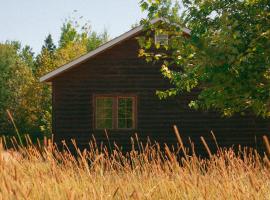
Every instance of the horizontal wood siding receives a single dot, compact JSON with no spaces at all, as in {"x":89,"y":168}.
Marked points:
{"x":119,"y":70}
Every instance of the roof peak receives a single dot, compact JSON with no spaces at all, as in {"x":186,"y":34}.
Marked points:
{"x":48,"y":77}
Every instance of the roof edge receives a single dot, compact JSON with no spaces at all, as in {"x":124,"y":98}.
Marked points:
{"x":107,"y":45}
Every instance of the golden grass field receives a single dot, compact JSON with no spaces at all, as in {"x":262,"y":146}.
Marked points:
{"x":42,"y":172}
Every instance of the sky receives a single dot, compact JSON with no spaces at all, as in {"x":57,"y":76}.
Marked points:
{"x":30,"y":21}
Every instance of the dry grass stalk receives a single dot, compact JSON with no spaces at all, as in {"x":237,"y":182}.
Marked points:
{"x":179,"y":139}
{"x":14,"y":125}
{"x":206,"y":146}
{"x":267,"y":144}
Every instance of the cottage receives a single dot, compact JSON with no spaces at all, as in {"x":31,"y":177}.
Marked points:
{"x":111,"y":88}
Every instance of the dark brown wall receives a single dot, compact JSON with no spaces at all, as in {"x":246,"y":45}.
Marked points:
{"x":119,"y":70}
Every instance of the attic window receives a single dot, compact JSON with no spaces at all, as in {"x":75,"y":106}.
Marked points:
{"x":161,"y":38}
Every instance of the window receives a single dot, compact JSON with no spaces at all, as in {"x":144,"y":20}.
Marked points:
{"x":115,"y":112}
{"x":161,"y":39}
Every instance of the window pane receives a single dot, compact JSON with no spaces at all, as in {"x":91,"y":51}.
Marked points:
{"x":125,"y":112}
{"x":104,"y":118}
{"x":104,"y":123}
{"x":129,"y":123}
{"x":121,"y":123}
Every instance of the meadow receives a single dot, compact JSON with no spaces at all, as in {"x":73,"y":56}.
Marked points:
{"x":41,"y":171}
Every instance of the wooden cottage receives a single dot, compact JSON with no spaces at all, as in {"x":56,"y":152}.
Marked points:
{"x":111,"y":88}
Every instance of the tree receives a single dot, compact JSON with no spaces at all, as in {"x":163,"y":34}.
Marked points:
{"x":16,"y":95}
{"x":69,"y":34}
{"x":226,"y":57}
{"x":48,"y":44}
{"x":28,"y":57}
{"x":74,"y":32}
{"x":8,"y":58}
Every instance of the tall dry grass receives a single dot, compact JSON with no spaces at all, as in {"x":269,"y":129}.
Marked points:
{"x":43,"y":172}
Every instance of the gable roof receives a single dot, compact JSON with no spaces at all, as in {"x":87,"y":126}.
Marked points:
{"x":100,"y":49}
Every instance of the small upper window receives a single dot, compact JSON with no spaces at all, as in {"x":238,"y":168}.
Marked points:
{"x":115,"y":112}
{"x":161,"y":38}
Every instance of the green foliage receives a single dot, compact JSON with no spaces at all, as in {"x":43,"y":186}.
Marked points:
{"x":69,"y":34}
{"x":73,"y":32}
{"x":27,"y":55}
{"x":226,"y":57}
{"x":48,"y":44}
{"x":15,"y":79}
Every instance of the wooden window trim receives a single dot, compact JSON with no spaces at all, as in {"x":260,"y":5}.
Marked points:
{"x":115,"y":110}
